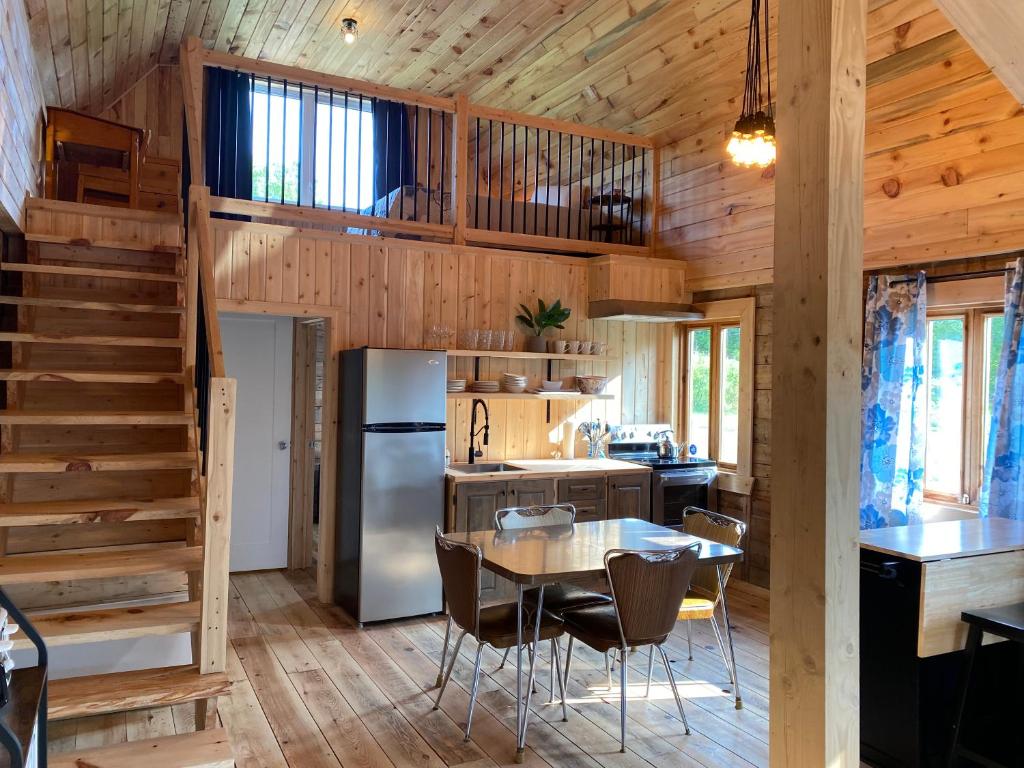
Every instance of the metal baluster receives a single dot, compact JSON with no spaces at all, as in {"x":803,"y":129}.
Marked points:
{"x":558,"y":192}
{"x":643,"y":196}
{"x":501,"y":180}
{"x":490,"y":168}
{"x":526,"y":170}
{"x":359,"y":158}
{"x":600,"y":205}
{"x":444,"y":168}
{"x":403,"y":127}
{"x":266,"y":176}
{"x":298,"y":189}
{"x":568,"y":215}
{"x":536,"y":176}
{"x":430,"y":156}
{"x":512,"y":186}
{"x":330,"y":147}
{"x":632,"y":192}
{"x":591,"y":201}
{"x":284,"y":133}
{"x":316,"y":109}
{"x":416,"y":165}
{"x":476,"y":194}
{"x":386,"y":191}
{"x":579,"y":213}
{"x":344,"y":155}
{"x":547,"y":178}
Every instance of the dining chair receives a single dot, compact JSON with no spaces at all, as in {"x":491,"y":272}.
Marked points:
{"x":647,"y":587}
{"x":495,"y":625}
{"x":705,"y":593}
{"x":557,"y":597}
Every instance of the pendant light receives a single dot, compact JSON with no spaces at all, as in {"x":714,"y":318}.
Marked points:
{"x":753,"y":140}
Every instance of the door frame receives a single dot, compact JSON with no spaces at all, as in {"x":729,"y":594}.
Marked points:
{"x":329,"y":421}
{"x":300,"y":510}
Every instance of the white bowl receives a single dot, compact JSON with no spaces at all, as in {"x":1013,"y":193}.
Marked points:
{"x":552,"y":386}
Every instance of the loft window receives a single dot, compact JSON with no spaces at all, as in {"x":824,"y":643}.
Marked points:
{"x":963,"y":358}
{"x":712,"y":404}
{"x":296,"y":129}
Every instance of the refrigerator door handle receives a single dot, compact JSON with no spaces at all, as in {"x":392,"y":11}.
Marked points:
{"x":404,"y":427}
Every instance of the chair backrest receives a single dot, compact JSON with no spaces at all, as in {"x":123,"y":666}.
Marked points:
{"x":460,"y":577}
{"x":648,"y":588}
{"x":539,"y":516}
{"x":718,"y":528}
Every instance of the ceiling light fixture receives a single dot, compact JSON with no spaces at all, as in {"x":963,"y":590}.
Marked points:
{"x":350,"y":29}
{"x":753,"y":140}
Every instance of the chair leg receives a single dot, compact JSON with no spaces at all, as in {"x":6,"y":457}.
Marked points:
{"x":675,"y":691}
{"x":444,"y":653}
{"x":689,"y":640}
{"x":557,"y":666}
{"x":608,"y":669}
{"x":451,"y":666}
{"x":568,"y":662}
{"x":475,"y":689}
{"x":650,"y":671}
{"x":623,"y":685}
{"x":721,"y":648}
{"x":551,"y":671}
{"x":504,"y":658}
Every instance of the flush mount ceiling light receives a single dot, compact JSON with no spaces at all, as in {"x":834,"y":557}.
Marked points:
{"x":350,"y":30}
{"x":753,"y":140}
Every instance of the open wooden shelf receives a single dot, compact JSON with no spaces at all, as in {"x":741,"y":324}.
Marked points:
{"x":526,"y":396}
{"x":516,"y":355}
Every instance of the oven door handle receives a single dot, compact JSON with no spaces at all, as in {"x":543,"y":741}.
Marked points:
{"x":666,"y":479}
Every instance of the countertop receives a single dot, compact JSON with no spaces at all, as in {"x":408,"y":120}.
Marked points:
{"x":551,"y":468}
{"x":946,"y":540}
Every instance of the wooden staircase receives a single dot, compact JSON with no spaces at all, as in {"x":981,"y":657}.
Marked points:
{"x":104,"y":521}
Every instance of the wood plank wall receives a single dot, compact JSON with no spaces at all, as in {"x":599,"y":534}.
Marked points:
{"x":390,"y":293}
{"x":21,"y":107}
{"x":154,"y":103}
{"x":944,"y":174}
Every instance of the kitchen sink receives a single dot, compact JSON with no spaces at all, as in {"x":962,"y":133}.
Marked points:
{"x":480,"y":468}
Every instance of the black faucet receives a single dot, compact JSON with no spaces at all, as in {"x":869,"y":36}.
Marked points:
{"x":473,"y":431}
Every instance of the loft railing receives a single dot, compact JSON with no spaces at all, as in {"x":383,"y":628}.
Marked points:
{"x":468,"y":173}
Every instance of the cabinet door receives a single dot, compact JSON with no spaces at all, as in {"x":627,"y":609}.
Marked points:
{"x":475,"y":505}
{"x":629,"y":496}
{"x":526,"y":493}
{"x":581,"y":489}
{"x":589,"y":511}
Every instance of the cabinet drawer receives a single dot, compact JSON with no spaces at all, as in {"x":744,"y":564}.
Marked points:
{"x":580,"y":489}
{"x":587,"y":511}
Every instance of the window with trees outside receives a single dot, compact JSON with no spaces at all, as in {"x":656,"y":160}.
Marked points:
{"x":712,"y":396}
{"x":963,"y":360}
{"x":295,"y":129}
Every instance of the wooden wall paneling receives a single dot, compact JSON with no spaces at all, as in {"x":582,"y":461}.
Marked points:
{"x":300,"y":514}
{"x":155,"y":103}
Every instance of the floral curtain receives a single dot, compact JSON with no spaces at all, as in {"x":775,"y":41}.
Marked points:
{"x":894,"y":401}
{"x":1002,"y":492}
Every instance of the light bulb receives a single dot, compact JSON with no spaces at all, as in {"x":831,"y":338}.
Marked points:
{"x":349,"y":29}
{"x":350,"y":38}
{"x":753,"y":142}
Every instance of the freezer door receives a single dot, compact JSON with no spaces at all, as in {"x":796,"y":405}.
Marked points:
{"x":402,"y":503}
{"x":405,"y":385}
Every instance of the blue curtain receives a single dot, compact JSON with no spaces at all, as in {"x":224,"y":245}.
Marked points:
{"x":229,"y":133}
{"x":1002,"y":491}
{"x":894,"y":402}
{"x":392,"y":148}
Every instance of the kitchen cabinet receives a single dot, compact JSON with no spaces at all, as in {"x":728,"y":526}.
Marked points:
{"x":529,"y":493}
{"x":629,"y":496}
{"x":475,"y":504}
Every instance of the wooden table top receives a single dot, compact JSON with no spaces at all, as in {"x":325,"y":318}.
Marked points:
{"x":535,"y":556}
{"x":946,"y":540}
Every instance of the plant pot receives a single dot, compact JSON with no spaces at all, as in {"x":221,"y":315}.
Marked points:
{"x":536,"y":344}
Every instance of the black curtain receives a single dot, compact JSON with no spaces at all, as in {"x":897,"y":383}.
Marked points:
{"x":228,"y":133}
{"x":392,"y":148}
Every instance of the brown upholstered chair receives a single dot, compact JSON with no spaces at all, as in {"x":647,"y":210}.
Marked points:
{"x":705,"y":592}
{"x":557,"y":597}
{"x":647,"y":588}
{"x":494,"y":625}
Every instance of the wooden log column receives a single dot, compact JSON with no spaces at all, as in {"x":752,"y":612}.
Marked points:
{"x":814,"y":719}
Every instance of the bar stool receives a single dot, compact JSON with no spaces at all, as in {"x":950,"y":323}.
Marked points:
{"x":1005,"y":621}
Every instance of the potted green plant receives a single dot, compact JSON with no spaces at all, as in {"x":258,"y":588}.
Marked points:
{"x":538,"y":322}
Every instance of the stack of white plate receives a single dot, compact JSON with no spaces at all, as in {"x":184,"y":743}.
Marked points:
{"x":484,"y":386}
{"x":514,"y":383}
{"x":456,"y":385}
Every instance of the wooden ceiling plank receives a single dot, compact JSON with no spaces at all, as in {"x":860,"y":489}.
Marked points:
{"x":60,"y":42}
{"x":246,"y":27}
{"x":263,"y":27}
{"x":933,"y":100}
{"x":907,"y":35}
{"x":156,"y":23}
{"x":140,"y":18}
{"x":109,"y":55}
{"x":313,"y":13}
{"x":115,"y":86}
{"x":39,"y":35}
{"x":289,"y":14}
{"x":353,"y":60}
{"x":176,"y":15}
{"x":195,"y":18}
{"x":994,"y":28}
{"x":225,"y":31}
{"x":328,"y":29}
{"x":423,"y":35}
{"x":94,"y":37}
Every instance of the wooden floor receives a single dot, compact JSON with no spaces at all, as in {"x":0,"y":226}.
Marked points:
{"x":312,"y":690}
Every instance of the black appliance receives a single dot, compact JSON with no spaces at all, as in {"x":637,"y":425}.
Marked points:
{"x":675,"y":483}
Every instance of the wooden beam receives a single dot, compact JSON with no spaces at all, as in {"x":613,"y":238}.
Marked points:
{"x":461,"y":184}
{"x":994,"y":29}
{"x":220,"y":452}
{"x":192,"y":95}
{"x":814,"y":677}
{"x":201,"y":198}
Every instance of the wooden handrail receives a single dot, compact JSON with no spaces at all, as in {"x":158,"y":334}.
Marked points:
{"x":200,"y":197}
{"x":559,"y":126}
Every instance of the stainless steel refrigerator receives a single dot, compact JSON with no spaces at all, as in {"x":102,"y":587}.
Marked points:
{"x":391,"y":482}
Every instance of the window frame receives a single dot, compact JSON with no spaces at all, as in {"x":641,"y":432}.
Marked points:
{"x":714,"y":387}
{"x":972,"y":454}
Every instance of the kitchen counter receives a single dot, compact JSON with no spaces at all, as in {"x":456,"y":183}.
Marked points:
{"x":551,"y":468}
{"x":946,"y":540}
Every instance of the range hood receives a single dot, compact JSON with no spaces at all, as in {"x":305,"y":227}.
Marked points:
{"x":642,"y":311}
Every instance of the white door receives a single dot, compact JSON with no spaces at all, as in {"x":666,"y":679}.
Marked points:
{"x":258,"y":353}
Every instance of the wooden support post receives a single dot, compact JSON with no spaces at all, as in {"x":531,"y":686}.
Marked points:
{"x":191,"y":67}
{"x":220,"y":456}
{"x":460,"y":187}
{"x":814,"y":677}
{"x":652,"y":241}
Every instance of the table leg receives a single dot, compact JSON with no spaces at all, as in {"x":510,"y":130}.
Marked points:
{"x":728,"y":633}
{"x":974,"y":635}
{"x":519,"y":671}
{"x":521,"y":746}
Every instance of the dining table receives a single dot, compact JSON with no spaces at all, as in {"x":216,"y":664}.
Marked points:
{"x":536,"y":557}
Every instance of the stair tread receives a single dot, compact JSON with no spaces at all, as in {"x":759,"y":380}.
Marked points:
{"x":30,"y":337}
{"x":83,"y":626}
{"x":113,"y":245}
{"x":113,"y":274}
{"x":201,"y":749}
{"x":109,"y":306}
{"x":113,"y":377}
{"x":96,"y":510}
{"x":95,"y":462}
{"x":139,"y":689}
{"x":158,"y":418}
{"x":98,"y":563}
